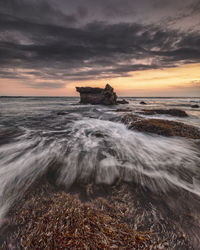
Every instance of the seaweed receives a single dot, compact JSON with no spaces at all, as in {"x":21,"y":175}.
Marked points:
{"x":62,"y":221}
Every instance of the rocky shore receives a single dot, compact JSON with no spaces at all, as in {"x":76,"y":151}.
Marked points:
{"x":161,"y":127}
{"x":107,"y":96}
{"x":90,"y":217}
{"x":139,"y":213}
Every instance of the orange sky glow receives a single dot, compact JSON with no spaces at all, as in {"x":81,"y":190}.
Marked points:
{"x":177,"y":81}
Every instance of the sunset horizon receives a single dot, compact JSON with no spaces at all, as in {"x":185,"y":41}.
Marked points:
{"x":146,"y":83}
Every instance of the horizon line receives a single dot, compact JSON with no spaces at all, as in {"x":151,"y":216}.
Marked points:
{"x":27,"y":96}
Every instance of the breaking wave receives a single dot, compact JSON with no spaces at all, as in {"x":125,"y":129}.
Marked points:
{"x":98,"y":151}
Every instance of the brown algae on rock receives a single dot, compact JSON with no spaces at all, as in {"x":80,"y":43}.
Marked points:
{"x":161,"y":127}
{"x":62,"y":221}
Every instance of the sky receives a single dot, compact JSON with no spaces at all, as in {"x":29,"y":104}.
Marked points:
{"x":139,"y":47}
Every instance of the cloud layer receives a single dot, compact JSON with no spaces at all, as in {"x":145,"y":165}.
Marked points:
{"x":48,"y":41}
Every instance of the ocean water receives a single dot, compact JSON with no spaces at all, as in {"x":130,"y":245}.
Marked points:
{"x":90,"y":144}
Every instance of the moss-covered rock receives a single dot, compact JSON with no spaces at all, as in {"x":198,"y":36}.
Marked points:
{"x":161,"y":127}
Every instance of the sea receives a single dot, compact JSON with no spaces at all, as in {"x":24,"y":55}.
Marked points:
{"x":90,"y":143}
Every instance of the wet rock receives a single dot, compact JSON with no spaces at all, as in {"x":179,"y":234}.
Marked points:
{"x":88,"y":209}
{"x":130,"y":118}
{"x":123,"y":101}
{"x":90,"y":95}
{"x":97,"y":224}
{"x":172,"y":112}
{"x":98,"y":134}
{"x":195,"y":106}
{"x":123,"y":110}
{"x":143,"y":103}
{"x":161,"y":127}
{"x":61,"y":113}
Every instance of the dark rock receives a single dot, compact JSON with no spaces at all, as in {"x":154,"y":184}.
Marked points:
{"x":61,"y":113}
{"x":123,"y":101}
{"x":161,"y":127}
{"x":172,"y":112}
{"x":104,"y":96}
{"x":143,"y":103}
{"x":195,"y":106}
{"x":98,"y":134}
{"x":123,"y":110}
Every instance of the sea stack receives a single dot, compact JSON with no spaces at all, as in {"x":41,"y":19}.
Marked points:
{"x":89,"y":95}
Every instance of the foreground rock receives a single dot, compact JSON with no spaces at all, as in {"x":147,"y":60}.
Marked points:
{"x":172,"y":112}
{"x":105,"y":96}
{"x":106,"y":219}
{"x":59,"y":220}
{"x":161,"y":127}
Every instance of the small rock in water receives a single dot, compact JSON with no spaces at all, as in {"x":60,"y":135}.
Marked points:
{"x":122,"y":101}
{"x":61,"y":113}
{"x":123,"y":110}
{"x":143,"y":103}
{"x":195,"y":106}
{"x":98,"y":135}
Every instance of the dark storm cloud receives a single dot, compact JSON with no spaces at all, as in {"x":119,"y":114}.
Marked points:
{"x":11,"y":75}
{"x":59,"y":48}
{"x":41,"y":11}
{"x":119,"y":8}
{"x":194,"y":7}
{"x":187,"y":16}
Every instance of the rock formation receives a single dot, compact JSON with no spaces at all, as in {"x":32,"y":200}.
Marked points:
{"x":90,"y":95}
{"x":172,"y":112}
{"x":161,"y":127}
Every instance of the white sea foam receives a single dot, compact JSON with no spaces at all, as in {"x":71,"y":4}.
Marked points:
{"x":99,"y":151}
